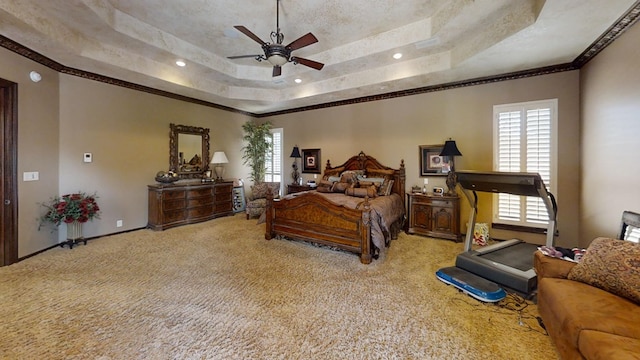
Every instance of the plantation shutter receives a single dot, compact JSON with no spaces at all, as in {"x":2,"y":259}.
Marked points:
{"x":273,"y":161}
{"x":524,"y":143}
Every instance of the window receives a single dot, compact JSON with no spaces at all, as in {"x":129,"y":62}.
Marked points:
{"x":525,"y":141}
{"x":273,"y":163}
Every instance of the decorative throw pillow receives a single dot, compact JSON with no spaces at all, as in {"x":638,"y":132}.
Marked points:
{"x":382,"y":173}
{"x":333,"y":172}
{"x":362,"y":192}
{"x":324,"y":186}
{"x":612,"y":265}
{"x":366,"y":184}
{"x":340,"y":187}
{"x":385,"y":188}
{"x":349,"y":176}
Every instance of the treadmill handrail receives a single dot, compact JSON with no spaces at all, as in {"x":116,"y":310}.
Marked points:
{"x":516,"y":183}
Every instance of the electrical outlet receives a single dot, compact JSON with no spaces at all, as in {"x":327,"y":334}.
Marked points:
{"x":119,"y":223}
{"x":426,"y":181}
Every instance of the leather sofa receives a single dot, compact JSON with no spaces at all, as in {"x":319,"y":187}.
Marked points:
{"x":585,"y":321}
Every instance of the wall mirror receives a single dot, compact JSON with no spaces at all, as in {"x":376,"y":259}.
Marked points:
{"x":188,"y":151}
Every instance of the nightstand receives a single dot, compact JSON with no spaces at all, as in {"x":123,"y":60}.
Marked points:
{"x":434,"y":215}
{"x":294,"y":188}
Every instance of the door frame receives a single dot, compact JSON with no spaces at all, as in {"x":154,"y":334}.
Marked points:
{"x":8,"y":172}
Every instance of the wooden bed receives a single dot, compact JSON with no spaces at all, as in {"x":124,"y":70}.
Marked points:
{"x":309,"y":216}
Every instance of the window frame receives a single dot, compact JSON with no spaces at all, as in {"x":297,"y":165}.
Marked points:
{"x":280,"y":156}
{"x":523,"y":107}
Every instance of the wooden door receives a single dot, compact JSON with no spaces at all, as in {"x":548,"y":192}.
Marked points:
{"x":8,"y":172}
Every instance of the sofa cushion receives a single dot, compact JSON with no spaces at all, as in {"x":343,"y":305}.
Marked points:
{"x":612,"y":265}
{"x":596,"y":345}
{"x":569,"y":307}
{"x":550,"y":267}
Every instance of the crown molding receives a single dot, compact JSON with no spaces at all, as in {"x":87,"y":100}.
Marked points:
{"x":620,"y":26}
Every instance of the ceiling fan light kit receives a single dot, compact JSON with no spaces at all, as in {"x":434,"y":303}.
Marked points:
{"x":276,"y":53}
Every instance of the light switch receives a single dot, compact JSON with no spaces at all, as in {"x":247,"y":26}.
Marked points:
{"x":88,"y":157}
{"x":31,"y":176}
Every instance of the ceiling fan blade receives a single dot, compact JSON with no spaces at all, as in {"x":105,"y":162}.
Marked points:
{"x":277,"y":70}
{"x":243,"y":56}
{"x":306,"y":62}
{"x":248,"y":32}
{"x":302,"y":41}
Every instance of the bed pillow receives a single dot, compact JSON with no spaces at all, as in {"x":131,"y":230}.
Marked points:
{"x":611,"y":265}
{"x":366,"y":184}
{"x":385,"y":188}
{"x":362,"y":192}
{"x":349,"y":176}
{"x":340,"y":187}
{"x":324,"y":186}
{"x":380,"y":173}
{"x":333,"y":172}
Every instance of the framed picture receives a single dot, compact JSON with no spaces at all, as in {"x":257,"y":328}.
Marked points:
{"x":311,"y":161}
{"x":431,"y":163}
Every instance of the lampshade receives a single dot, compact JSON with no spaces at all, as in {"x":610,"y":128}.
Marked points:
{"x":296,"y":152}
{"x":219,"y":158}
{"x":450,"y":149}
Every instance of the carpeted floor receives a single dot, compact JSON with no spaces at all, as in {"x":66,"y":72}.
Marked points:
{"x":218,"y":290}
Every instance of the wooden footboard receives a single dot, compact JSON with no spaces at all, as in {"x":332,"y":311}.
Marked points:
{"x":310,"y":217}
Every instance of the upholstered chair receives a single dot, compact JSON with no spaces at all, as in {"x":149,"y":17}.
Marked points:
{"x":257,"y":200}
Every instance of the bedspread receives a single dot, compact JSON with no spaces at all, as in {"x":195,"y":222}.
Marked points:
{"x":385,"y":210}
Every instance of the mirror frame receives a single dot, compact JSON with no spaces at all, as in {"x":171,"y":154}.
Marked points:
{"x":173,"y":149}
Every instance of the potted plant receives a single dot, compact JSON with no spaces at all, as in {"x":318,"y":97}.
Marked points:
{"x":257,"y":145}
{"x":73,"y":210}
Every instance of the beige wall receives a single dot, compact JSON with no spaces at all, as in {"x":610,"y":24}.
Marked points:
{"x":127,"y":131}
{"x":38,"y":105}
{"x":393,"y":129}
{"x":64,"y":116}
{"x":610,"y":90}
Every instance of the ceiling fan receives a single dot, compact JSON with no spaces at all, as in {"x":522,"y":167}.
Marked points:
{"x":276,"y":53}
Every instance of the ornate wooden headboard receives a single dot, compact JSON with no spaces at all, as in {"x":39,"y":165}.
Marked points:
{"x":364,"y":162}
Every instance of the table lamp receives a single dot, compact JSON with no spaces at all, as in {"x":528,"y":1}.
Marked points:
{"x":450,"y":150}
{"x":218,"y":161}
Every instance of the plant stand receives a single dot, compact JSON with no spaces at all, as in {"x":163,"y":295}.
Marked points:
{"x":74,"y":235}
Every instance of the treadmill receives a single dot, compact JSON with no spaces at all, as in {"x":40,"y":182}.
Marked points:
{"x":508,"y":263}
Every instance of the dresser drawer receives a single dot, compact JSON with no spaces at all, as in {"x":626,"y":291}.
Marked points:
{"x":201,"y":201}
{"x":199,"y":193}
{"x":173,"y":216}
{"x":169,"y":195}
{"x":223,"y":197}
{"x":222,"y":189}
{"x":223,"y":207}
{"x":173,"y":204}
{"x":199,"y":212}
{"x":442,"y":203}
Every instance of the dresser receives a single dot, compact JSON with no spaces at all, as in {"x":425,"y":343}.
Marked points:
{"x":173,"y":205}
{"x":434,"y":215}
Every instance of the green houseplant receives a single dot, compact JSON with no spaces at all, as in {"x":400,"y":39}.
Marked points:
{"x":257,"y":145}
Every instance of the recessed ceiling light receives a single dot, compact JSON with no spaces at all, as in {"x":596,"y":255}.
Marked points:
{"x":298,"y":81}
{"x":397,"y":56}
{"x":181,"y":63}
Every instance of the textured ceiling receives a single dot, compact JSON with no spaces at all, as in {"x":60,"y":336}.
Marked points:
{"x":442,"y":41}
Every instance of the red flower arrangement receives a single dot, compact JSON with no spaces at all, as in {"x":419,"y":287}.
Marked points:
{"x":71,"y":207}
